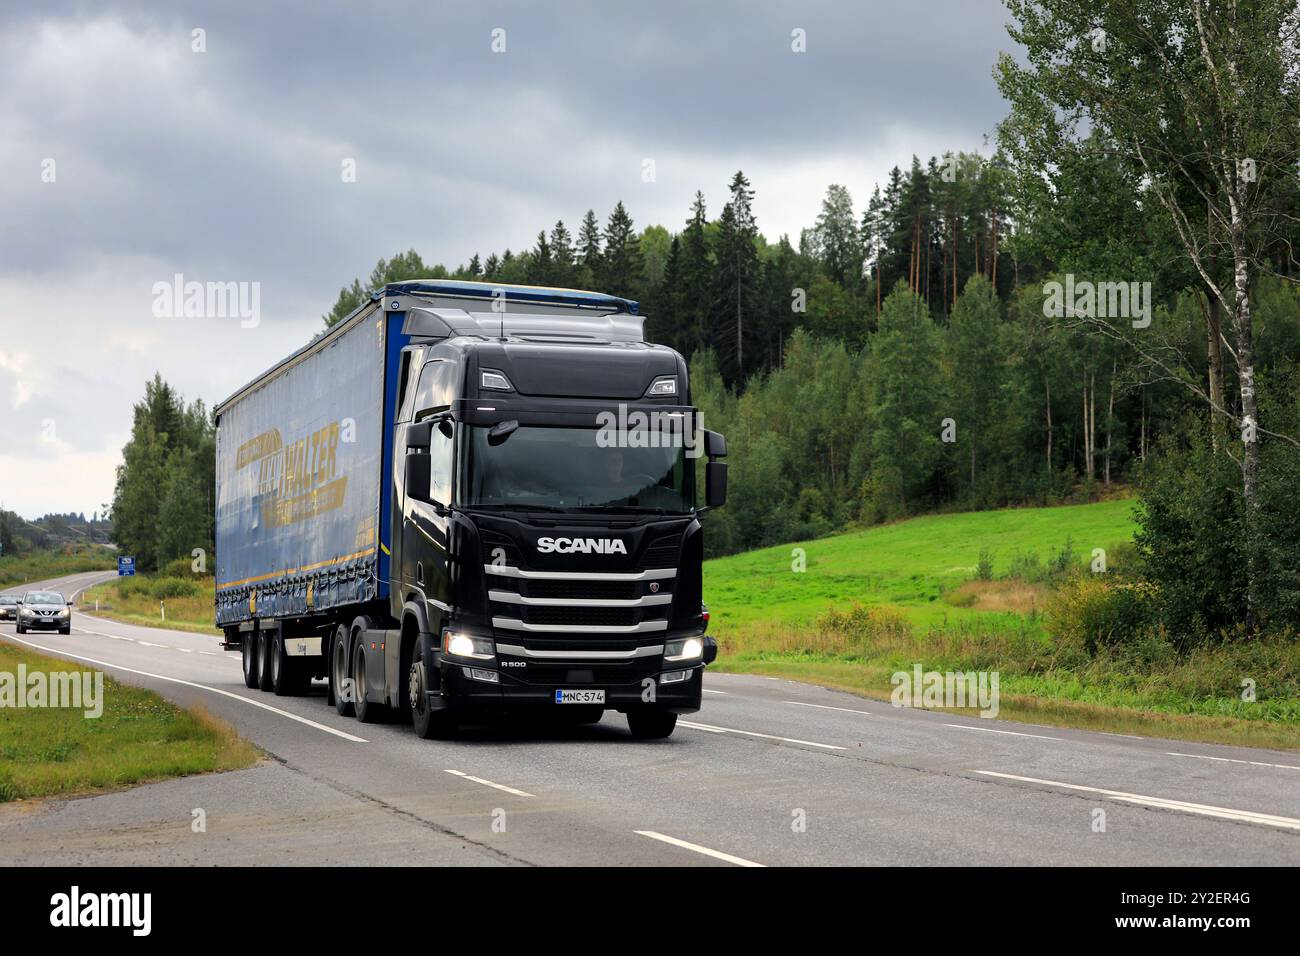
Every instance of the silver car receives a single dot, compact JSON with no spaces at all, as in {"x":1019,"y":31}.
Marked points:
{"x":45,"y":611}
{"x":8,"y":607}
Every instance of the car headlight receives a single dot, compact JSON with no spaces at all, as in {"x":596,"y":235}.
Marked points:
{"x":467,"y":645}
{"x":684,"y":649}
{"x":27,"y":612}
{"x":65,"y":612}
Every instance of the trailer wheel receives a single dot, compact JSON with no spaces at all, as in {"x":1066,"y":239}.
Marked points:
{"x":288,"y":675}
{"x":341,"y":685}
{"x":264,"y":660}
{"x":366,"y":711}
{"x":428,"y":723}
{"x":248,"y":651}
{"x":648,"y":723}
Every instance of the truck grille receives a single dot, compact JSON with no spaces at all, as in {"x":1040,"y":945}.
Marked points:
{"x":580,"y":617}
{"x":580,"y":590}
{"x":559,"y":611}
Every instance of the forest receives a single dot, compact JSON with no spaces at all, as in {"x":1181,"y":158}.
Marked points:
{"x":915,"y":352}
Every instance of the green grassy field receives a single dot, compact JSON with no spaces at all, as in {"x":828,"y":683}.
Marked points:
{"x":910,"y":565}
{"x":877,"y":601}
{"x":139,"y":737}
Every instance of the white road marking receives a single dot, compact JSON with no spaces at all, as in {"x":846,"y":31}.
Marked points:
{"x":119,"y":637}
{"x":1163,"y":803}
{"x":708,"y":691}
{"x":1109,"y":733}
{"x":1253,"y":763}
{"x":716,"y":854}
{"x":59,"y":652}
{"x":847,"y":710}
{"x":750,"y":733}
{"x":489,"y":783}
{"x":990,"y":730}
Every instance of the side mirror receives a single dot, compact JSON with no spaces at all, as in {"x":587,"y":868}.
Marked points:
{"x":447,"y":429}
{"x":710,"y":650}
{"x":499,"y":432}
{"x":69,"y":604}
{"x":715,"y":446}
{"x":417,"y":436}
{"x":715,"y":484}
{"x":418,"y":476}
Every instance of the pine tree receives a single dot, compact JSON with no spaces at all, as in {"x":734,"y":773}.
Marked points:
{"x":621,"y":265}
{"x":541,"y":268}
{"x":589,"y":250}
{"x":735,"y":281}
{"x":696,"y":279}
{"x":835,"y":239}
{"x":562,"y":256}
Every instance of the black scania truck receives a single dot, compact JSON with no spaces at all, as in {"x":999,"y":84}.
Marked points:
{"x":466,"y":498}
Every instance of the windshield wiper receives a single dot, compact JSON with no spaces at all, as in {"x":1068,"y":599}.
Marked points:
{"x":521,"y":507}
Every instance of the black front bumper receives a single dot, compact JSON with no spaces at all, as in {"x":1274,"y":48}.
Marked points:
{"x":625,"y":687}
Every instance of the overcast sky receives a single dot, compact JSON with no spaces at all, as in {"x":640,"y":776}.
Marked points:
{"x":227,"y":165}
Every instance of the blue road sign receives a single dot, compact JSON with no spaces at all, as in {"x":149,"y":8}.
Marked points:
{"x":125,"y":566}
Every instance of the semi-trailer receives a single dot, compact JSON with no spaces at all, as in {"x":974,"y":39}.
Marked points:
{"x":466,"y":499}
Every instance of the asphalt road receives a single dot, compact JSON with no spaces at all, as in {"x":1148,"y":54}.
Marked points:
{"x":770,"y":772}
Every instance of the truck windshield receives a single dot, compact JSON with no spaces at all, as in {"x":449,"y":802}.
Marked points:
{"x":566,"y":468}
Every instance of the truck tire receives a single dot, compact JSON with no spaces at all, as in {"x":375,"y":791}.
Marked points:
{"x":649,"y":723}
{"x":341,"y":673}
{"x":428,"y":723}
{"x":264,"y":660}
{"x":248,"y":651}
{"x":286,"y":672}
{"x":340,"y":637}
{"x":366,"y":711}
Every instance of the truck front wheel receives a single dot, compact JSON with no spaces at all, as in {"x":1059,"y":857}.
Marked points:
{"x":428,"y":723}
{"x":650,"y":723}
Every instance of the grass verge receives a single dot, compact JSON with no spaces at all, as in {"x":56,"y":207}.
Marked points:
{"x":138,"y":738}
{"x":189,"y":602}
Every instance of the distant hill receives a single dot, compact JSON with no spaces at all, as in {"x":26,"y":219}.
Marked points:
{"x":20,"y":537}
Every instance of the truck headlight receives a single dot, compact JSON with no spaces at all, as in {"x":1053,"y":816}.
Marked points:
{"x":684,"y":649}
{"x":467,"y":645}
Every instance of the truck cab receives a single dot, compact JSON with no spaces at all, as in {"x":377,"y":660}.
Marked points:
{"x":546,"y":536}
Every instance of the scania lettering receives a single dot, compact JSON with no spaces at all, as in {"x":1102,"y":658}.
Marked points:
{"x":581,"y":545}
{"x":448,"y":506}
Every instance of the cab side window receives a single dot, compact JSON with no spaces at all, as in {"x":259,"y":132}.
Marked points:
{"x":440,"y":454}
{"x":434,"y":389}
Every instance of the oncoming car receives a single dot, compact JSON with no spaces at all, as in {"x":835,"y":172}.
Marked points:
{"x":8,"y":607}
{"x":44,"y":610}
